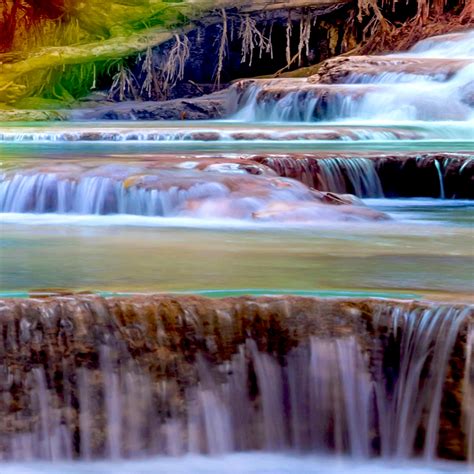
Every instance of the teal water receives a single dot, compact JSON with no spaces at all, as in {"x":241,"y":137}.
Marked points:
{"x":425,"y":250}
{"x":427,"y":247}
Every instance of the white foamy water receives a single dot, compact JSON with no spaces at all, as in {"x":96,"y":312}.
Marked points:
{"x":219,"y":133}
{"x":416,"y":99}
{"x":218,"y":192}
{"x":454,"y":45}
{"x":244,"y":463}
{"x":420,"y":212}
{"x":410,"y":95}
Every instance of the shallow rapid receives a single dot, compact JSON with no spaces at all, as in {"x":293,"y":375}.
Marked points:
{"x":412,"y":86}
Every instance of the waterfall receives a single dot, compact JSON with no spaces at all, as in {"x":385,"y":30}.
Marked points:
{"x":437,"y":175}
{"x":414,"y":85}
{"x":357,"y":176}
{"x":116,"y":134}
{"x":420,"y":350}
{"x":231,"y":191}
{"x":361,"y":174}
{"x":125,"y":378}
{"x":178,"y":193}
{"x":332,"y":399}
{"x":46,"y":192}
{"x":294,"y":106}
{"x":454,"y":45}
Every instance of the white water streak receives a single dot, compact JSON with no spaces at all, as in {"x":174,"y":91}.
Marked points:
{"x":395,"y":95}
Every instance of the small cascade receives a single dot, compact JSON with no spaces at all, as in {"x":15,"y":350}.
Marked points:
{"x":411,"y":86}
{"x":419,"y":333}
{"x":356,"y":176}
{"x":217,"y":136}
{"x":231,"y":189}
{"x":121,"y":378}
{"x":218,"y":191}
{"x":442,"y":194}
{"x":277,"y":103}
{"x":332,"y":405}
{"x":361,"y":174}
{"x":437,"y":175}
{"x":117,"y":134}
{"x":295,"y":106}
{"x":417,"y":100}
{"x":45,"y":192}
{"x":454,"y":45}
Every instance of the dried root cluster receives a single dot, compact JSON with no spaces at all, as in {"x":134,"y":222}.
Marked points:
{"x":432,"y":17}
{"x":375,"y":20}
{"x":161,"y":68}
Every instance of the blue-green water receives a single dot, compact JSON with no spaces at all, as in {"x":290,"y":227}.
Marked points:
{"x":426,"y":248}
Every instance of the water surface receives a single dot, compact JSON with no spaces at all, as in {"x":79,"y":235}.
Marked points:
{"x":427,"y":247}
{"x":248,"y":463}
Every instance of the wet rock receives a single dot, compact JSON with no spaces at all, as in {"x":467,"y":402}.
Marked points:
{"x":342,"y":69}
{"x":207,"y":107}
{"x":449,"y":175}
{"x":426,"y":174}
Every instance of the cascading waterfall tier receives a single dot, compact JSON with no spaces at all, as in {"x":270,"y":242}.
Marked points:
{"x":186,"y":185}
{"x":415,"y":85}
{"x":220,"y":133}
{"x":336,"y":174}
{"x":437,"y":175}
{"x":88,"y":377}
{"x":220,"y":190}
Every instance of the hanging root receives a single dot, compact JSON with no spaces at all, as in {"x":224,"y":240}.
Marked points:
{"x":289,"y":31}
{"x":222,"y":49}
{"x":162,"y":75}
{"x":431,"y":18}
{"x":305,"y":36}
{"x":270,"y":38}
{"x":123,"y":85}
{"x":252,"y":38}
{"x":150,"y":83}
{"x":307,"y":22}
{"x":173,"y":67}
{"x":370,"y":8}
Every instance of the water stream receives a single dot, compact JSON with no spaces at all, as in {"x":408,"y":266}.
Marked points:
{"x":417,"y":92}
{"x":355,"y":189}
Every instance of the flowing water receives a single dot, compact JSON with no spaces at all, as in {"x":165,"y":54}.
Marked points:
{"x":336,"y":388}
{"x":355,"y":189}
{"x":418,"y":93}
